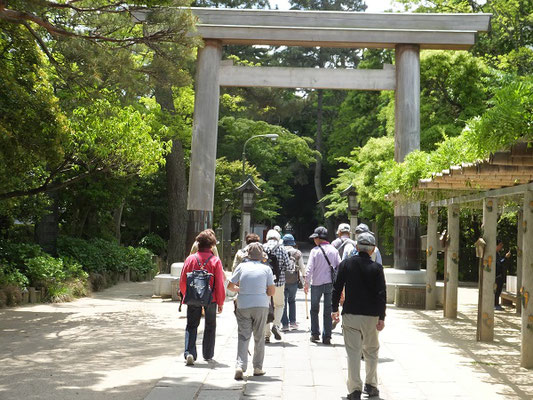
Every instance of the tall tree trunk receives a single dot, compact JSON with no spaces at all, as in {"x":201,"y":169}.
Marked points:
{"x":176,"y":187}
{"x":319,"y":148}
{"x":318,"y":166}
{"x":117,"y":220}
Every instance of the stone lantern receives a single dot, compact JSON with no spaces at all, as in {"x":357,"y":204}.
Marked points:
{"x":353,"y":207}
{"x":249,"y":190}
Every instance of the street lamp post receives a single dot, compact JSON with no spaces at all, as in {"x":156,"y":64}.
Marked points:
{"x":272,"y":136}
{"x":249,"y":190}
{"x":353,"y":207}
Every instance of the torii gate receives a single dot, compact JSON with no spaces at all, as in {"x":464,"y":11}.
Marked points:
{"x":406,"y":33}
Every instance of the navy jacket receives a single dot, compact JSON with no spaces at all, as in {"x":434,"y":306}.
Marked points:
{"x":364,"y":284}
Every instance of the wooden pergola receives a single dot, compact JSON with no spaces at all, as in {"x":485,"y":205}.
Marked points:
{"x":505,"y":177}
{"x":501,"y":169}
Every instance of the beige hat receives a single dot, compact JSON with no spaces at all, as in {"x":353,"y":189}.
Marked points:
{"x":255,"y":251}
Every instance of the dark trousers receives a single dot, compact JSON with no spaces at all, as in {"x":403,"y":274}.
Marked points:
{"x":289,"y":311}
{"x":194,"y":314}
{"x":498,"y":290}
{"x":316,"y":294}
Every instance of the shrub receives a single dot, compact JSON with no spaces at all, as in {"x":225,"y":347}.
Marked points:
{"x":83,"y":252}
{"x":140,"y":260}
{"x":44,"y":271}
{"x":11,"y":276}
{"x":68,"y":290}
{"x":153,"y":242}
{"x":96,"y":255}
{"x":73,"y":269}
{"x":16,"y":254}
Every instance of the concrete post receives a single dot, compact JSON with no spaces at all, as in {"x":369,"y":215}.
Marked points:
{"x":431,"y":258}
{"x":490,"y":228}
{"x":218,"y":233}
{"x":407,"y":139}
{"x":526,"y":360}
{"x":353,"y":224}
{"x":246,"y":220}
{"x":450,"y":308}
{"x":519,"y":265}
{"x":226,"y":239}
{"x":204,"y":140}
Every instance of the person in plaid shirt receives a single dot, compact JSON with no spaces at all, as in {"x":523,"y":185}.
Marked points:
{"x":272,"y":246}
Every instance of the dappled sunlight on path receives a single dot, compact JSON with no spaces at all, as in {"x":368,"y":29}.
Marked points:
{"x":115,"y":344}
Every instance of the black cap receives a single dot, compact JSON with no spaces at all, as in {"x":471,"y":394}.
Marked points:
{"x":319,"y":232}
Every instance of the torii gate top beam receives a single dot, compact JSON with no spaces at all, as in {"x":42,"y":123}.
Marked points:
{"x":340,"y":28}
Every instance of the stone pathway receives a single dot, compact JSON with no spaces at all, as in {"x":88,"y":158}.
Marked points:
{"x":121,"y":344}
{"x":422,"y":356}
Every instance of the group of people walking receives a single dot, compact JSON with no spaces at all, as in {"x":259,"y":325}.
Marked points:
{"x":266,"y":278}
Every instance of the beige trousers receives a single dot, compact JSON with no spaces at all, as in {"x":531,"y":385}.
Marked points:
{"x":361,"y":337}
{"x":279,"y":303}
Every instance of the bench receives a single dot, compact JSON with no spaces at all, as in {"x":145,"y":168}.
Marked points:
{"x":508,"y":298}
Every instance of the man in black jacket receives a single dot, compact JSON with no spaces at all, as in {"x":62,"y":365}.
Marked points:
{"x":363,"y":314}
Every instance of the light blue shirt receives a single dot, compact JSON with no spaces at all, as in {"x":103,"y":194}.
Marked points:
{"x":253,"y":278}
{"x":376,"y":256}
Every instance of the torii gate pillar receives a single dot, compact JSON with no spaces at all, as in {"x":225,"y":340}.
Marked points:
{"x":201,"y":193}
{"x":407,"y":139}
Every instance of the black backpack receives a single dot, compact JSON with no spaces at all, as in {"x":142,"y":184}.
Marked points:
{"x":199,"y":292}
{"x":273,"y":262}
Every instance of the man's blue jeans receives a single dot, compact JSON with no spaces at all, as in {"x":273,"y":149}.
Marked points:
{"x":290,"y":298}
{"x":194,"y":314}
{"x":316,"y":295}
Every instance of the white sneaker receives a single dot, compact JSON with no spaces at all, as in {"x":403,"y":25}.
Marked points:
{"x":258,"y":372}
{"x":189,"y":360}
{"x":294,"y":327}
{"x":238,"y":374}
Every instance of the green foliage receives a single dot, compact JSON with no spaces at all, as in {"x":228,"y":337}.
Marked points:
{"x":32,"y":126}
{"x":44,"y":270}
{"x":10,"y":276}
{"x":509,"y":118}
{"x":16,"y":254}
{"x":139,"y":259}
{"x":279,"y":164}
{"x":362,"y":114}
{"x":510,"y":36}
{"x":110,"y":137}
{"x":453,"y":90}
{"x":366,"y":165}
{"x":359,"y":119}
{"x":228,"y":177}
{"x":153,"y":242}
{"x":98,"y":255}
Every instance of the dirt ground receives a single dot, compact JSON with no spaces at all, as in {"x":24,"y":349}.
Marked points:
{"x":113,"y":345}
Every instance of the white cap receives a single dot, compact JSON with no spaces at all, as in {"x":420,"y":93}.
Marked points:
{"x":272,"y":234}
{"x":343,"y":228}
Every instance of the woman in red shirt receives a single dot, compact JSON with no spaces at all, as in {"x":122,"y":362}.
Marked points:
{"x":207,"y":260}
